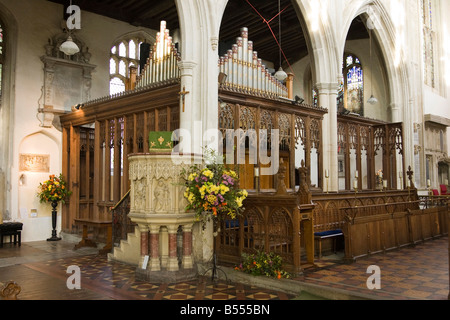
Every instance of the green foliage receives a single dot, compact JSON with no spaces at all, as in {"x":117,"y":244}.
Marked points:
{"x":263,"y":264}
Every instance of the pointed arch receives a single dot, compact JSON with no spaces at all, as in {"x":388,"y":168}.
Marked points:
{"x":10,"y":27}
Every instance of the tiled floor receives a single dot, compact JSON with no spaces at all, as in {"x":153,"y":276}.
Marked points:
{"x":419,"y":272}
{"x":43,"y":277}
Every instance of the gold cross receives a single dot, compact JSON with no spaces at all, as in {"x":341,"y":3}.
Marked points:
{"x":183,"y":94}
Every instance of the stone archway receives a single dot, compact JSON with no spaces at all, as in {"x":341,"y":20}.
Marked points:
{"x":9,"y":25}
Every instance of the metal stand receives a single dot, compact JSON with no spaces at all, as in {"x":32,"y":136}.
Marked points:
{"x":214,"y":269}
{"x":54,"y":217}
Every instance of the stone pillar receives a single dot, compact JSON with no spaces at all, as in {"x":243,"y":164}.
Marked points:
{"x":327,"y":99}
{"x":172,"y":263}
{"x":191,"y":117}
{"x":155,"y":263}
{"x":187,"y":247}
{"x":144,"y":243}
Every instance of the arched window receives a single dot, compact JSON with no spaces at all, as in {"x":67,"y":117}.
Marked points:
{"x":351,"y":91}
{"x":429,"y":36}
{"x":125,"y":53}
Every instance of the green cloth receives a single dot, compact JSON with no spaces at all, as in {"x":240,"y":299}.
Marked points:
{"x":160,"y":141}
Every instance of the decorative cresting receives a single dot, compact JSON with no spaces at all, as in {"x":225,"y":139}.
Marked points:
{"x":162,"y":63}
{"x":157,"y":206}
{"x":246,"y":73}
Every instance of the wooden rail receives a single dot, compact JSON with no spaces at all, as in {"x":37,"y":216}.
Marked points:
{"x":380,"y":228}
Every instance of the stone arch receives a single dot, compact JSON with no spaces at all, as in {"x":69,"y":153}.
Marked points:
{"x":35,"y":215}
{"x":319,"y":40}
{"x":399,"y":80}
{"x":7,"y":107}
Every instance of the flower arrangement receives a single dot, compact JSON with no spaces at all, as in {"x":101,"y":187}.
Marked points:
{"x":263,"y":264}
{"x":53,"y":189}
{"x":213,"y":189}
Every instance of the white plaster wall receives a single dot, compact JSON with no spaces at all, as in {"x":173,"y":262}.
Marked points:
{"x":37,"y":226}
{"x":37,"y":21}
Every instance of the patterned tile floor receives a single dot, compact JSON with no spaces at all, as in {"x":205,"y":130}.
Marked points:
{"x":419,"y":272}
{"x":45,"y":278}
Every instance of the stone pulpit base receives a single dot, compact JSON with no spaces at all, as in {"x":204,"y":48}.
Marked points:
{"x":170,"y":248}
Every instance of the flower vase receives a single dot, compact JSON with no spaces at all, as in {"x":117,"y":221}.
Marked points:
{"x":54,"y":237}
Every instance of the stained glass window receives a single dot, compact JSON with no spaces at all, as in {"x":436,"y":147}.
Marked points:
{"x":351,"y":89}
{"x":315,"y":98}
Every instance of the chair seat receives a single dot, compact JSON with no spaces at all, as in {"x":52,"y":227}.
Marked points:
{"x":11,"y":226}
{"x":328,"y":233}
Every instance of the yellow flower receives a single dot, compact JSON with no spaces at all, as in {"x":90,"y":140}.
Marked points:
{"x":208,"y":173}
{"x":231,"y":173}
{"x":224,"y":189}
{"x":192,"y":176}
{"x":212,"y":199}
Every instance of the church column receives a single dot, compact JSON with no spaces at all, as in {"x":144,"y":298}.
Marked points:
{"x":143,"y":229}
{"x":189,"y":111}
{"x":155,"y":264}
{"x":327,"y":99}
{"x":187,"y":247}
{"x":172,"y":263}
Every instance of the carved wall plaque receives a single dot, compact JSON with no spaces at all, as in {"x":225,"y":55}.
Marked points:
{"x":34,"y":162}
{"x":67,"y":80}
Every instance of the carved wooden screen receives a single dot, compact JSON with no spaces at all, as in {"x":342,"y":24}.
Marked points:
{"x":87,"y":168}
{"x":97,"y":168}
{"x":280,"y":234}
{"x":299,"y":130}
{"x":267,"y":225}
{"x":372,"y":149}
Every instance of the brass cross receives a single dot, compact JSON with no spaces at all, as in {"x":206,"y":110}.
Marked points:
{"x":183,"y":94}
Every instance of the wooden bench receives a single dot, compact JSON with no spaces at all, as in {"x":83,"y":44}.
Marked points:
{"x":333,"y":234}
{"x":11,"y":229}
{"x":86,"y":242}
{"x":9,"y":291}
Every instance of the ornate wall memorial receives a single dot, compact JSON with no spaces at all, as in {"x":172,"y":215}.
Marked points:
{"x":67,"y":80}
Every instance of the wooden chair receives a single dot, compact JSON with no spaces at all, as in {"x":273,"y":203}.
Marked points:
{"x":11,"y":229}
{"x":333,"y":234}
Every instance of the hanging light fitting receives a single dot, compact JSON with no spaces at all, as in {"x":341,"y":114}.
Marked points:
{"x":280,"y":75}
{"x":69,"y":47}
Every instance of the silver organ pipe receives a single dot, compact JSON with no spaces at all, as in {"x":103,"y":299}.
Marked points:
{"x":162,"y":63}
{"x":246,"y":72}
